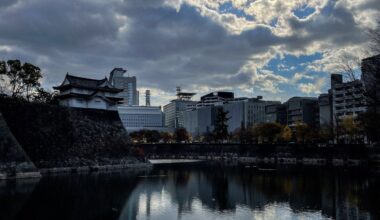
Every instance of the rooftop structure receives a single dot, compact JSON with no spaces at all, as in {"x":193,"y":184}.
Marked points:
{"x":147,"y":97}
{"x":83,"y":92}
{"x":174,"y":110}
{"x":184,"y":96}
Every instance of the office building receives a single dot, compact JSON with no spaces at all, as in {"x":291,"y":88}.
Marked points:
{"x":255,"y":110}
{"x":304,"y":110}
{"x":199,"y":121}
{"x":174,"y":111}
{"x":200,"y":118}
{"x":128,"y":84}
{"x":215,"y":98}
{"x":347,"y":98}
{"x":325,"y":110}
{"x":276,"y":113}
{"x":136,"y":118}
{"x":371,"y":79}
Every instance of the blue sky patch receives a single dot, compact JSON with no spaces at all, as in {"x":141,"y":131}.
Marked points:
{"x":304,"y":11}
{"x":228,"y":8}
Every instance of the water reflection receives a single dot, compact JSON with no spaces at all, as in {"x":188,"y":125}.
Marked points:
{"x":197,"y":192}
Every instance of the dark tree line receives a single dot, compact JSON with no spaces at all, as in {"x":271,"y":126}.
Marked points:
{"x":23,"y":81}
{"x":180,"y":135}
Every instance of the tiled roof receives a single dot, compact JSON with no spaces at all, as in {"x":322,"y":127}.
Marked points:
{"x":95,"y":84}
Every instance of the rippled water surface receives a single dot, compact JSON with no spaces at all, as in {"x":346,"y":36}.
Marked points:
{"x":195,"y":192}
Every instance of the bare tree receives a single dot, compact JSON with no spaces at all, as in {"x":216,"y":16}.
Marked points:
{"x":374,"y":37}
{"x":349,"y":67}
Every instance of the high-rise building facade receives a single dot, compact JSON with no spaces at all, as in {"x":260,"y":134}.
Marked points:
{"x":276,"y":113}
{"x":304,"y":110}
{"x":347,"y":98}
{"x":371,"y":79}
{"x":128,"y":84}
{"x":325,"y":110}
{"x":174,"y":111}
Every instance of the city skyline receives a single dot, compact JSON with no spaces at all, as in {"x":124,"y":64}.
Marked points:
{"x":275,"y":49}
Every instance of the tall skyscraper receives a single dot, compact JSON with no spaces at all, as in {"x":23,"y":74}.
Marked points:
{"x":129,"y":94}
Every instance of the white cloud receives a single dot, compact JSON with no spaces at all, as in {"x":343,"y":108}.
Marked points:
{"x":312,"y":88}
{"x":299,"y":76}
{"x":166,"y":43}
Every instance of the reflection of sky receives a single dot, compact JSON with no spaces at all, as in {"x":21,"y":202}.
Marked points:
{"x":163,"y":207}
{"x":193,"y":193}
{"x":204,"y":197}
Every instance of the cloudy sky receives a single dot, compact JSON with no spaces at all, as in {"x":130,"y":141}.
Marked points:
{"x":274,"y":48}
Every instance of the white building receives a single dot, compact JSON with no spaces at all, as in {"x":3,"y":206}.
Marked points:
{"x":81,"y":92}
{"x":128,"y":85}
{"x":136,"y":118}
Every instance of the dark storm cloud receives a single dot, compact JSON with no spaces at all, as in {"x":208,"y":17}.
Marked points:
{"x":7,"y":3}
{"x":163,"y":47}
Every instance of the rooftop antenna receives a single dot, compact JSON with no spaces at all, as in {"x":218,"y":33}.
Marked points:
{"x":184,"y":96}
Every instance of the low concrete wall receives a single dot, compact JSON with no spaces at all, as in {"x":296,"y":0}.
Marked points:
{"x":334,"y":155}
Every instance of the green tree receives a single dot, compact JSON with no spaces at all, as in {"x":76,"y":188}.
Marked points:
{"x":268,"y":132}
{"x":350,"y":128}
{"x":181,"y":135}
{"x":302,"y":132}
{"x":152,"y":136}
{"x":370,"y":122}
{"x":137,"y":136}
{"x":166,"y":137}
{"x":326,"y":134}
{"x":43,"y":96}
{"x":31,"y":78}
{"x":286,"y":134}
{"x":221,"y":126}
{"x":23,"y":78}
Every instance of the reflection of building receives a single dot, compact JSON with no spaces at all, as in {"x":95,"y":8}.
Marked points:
{"x":347,"y":97}
{"x":82,"y":92}
{"x":246,"y":195}
{"x":128,"y":85}
{"x":141,"y":117}
{"x":175,"y":109}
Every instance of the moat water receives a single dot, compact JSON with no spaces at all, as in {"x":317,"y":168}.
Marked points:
{"x":195,"y":192}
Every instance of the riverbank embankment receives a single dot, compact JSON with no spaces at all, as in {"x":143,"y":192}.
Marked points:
{"x":269,"y":154}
